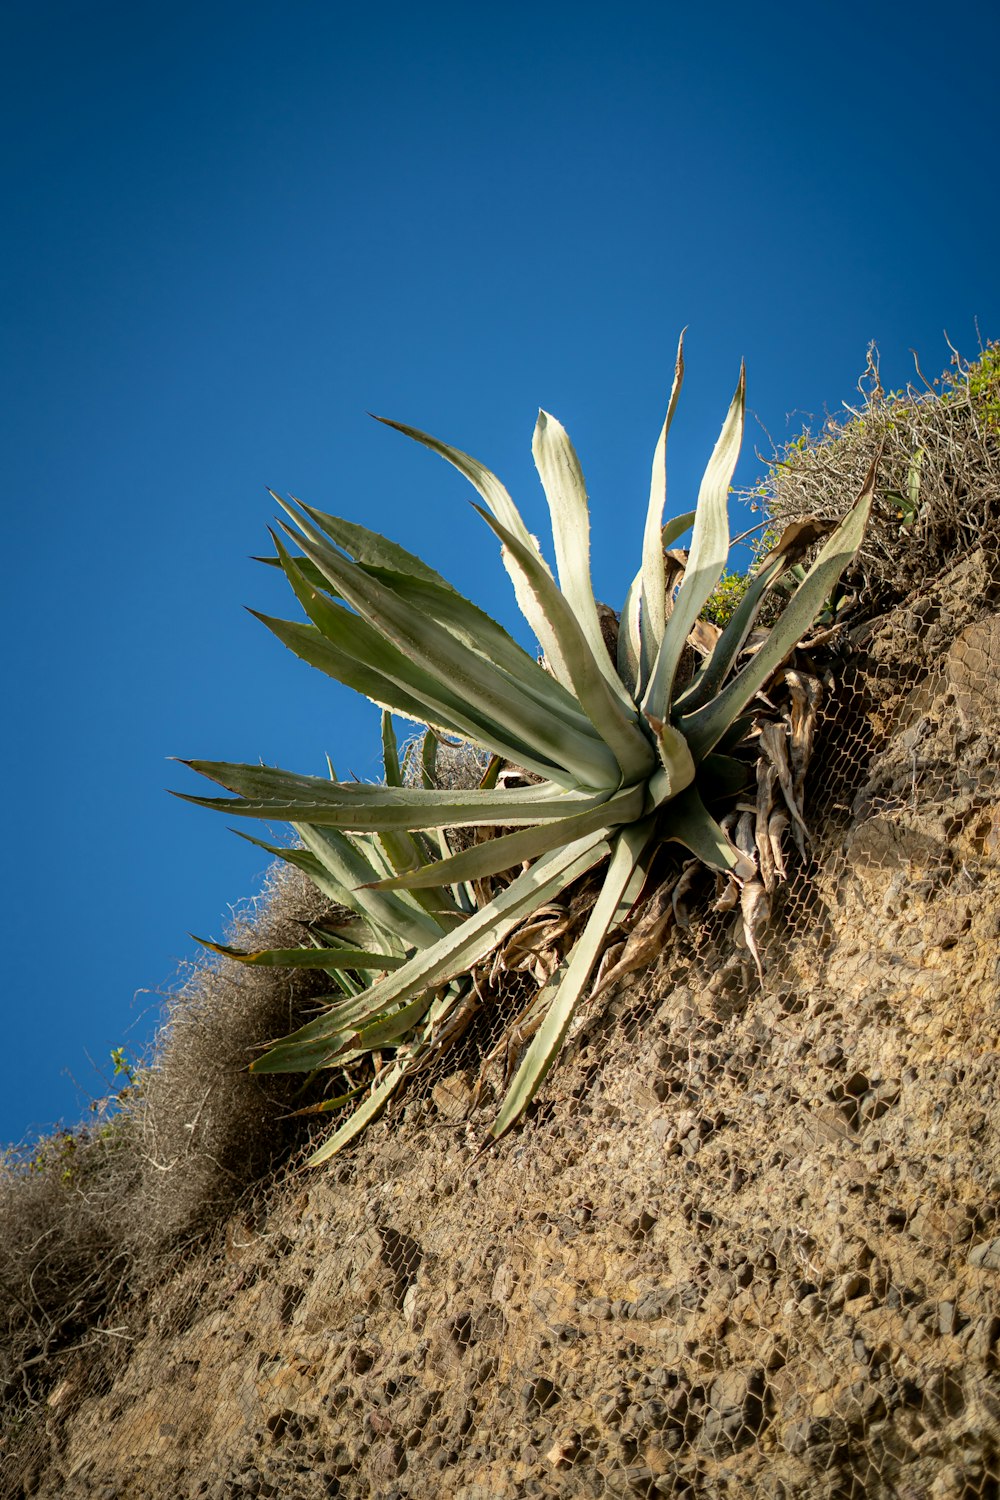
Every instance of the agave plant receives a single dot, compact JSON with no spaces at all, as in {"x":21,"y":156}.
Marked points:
{"x":623,"y":749}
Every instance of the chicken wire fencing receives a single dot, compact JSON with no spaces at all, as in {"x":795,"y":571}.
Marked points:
{"x":745,"y":1244}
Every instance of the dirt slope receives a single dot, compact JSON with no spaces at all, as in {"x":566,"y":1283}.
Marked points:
{"x":748,"y":1245}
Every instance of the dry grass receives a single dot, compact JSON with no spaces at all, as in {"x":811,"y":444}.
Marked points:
{"x":87,"y":1216}
{"x":941,"y":438}
{"x":62,"y":1268}
{"x":204,"y":1127}
{"x":458,"y":763}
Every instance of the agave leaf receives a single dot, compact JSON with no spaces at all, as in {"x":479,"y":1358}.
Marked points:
{"x":391,"y":1027}
{"x":491,"y":774}
{"x":617,"y":725}
{"x":706,"y":726}
{"x":314,"y":647}
{"x":628,"y":638}
{"x":305,"y":958}
{"x":510,"y":849}
{"x":480,"y":633}
{"x":306,"y":861}
{"x":501,"y":506}
{"x":327,"y":1106}
{"x":428,"y":760}
{"x":420,"y":695}
{"x":367,"y":547}
{"x":630,"y":845}
{"x":676,"y":528}
{"x":342,"y":1018}
{"x":399,"y":915}
{"x":629,"y":627}
{"x":706,"y":559}
{"x":489,"y":486}
{"x":390,"y":753}
{"x":454,"y":954}
{"x":363,"y":1116}
{"x":676,"y":760}
{"x":433,"y":596}
{"x":709,"y":678}
{"x":342,"y":853}
{"x":430,"y":896}
{"x":342,"y":868}
{"x":347,"y":983}
{"x":404,"y":852}
{"x":313,"y":1046}
{"x":505,"y":715}
{"x":309,"y":571}
{"x":267,"y":792}
{"x":435,"y":707}
{"x":652,"y":606}
{"x":357,"y":654}
{"x":689,"y":822}
{"x":562,"y":480}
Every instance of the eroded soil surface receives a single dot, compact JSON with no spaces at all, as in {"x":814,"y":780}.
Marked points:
{"x":748,"y":1245}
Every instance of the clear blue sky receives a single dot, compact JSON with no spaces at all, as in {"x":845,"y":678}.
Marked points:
{"x":233,"y":229}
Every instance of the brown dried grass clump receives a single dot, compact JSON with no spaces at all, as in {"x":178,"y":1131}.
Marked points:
{"x":205,"y":1128}
{"x":939,"y":473}
{"x":87,"y":1214}
{"x":63,"y":1268}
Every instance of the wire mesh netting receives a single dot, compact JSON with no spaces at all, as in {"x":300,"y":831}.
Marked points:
{"x":746,"y":1243}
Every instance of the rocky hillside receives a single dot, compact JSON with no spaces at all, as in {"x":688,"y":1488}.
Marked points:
{"x":747,"y":1243}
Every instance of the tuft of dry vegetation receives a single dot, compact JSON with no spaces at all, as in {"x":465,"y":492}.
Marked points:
{"x":939,"y":471}
{"x":63,"y":1270}
{"x":204,"y":1128}
{"x":87,"y":1215}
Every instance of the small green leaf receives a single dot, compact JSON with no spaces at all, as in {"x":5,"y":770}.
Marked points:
{"x":305,"y":958}
{"x":390,"y":753}
{"x":363,"y":1116}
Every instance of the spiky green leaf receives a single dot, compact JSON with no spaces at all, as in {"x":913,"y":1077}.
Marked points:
{"x":617,"y":725}
{"x":305,"y":958}
{"x":652,"y":591}
{"x":706,"y":558}
{"x":704,"y":728}
{"x":510,"y":849}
